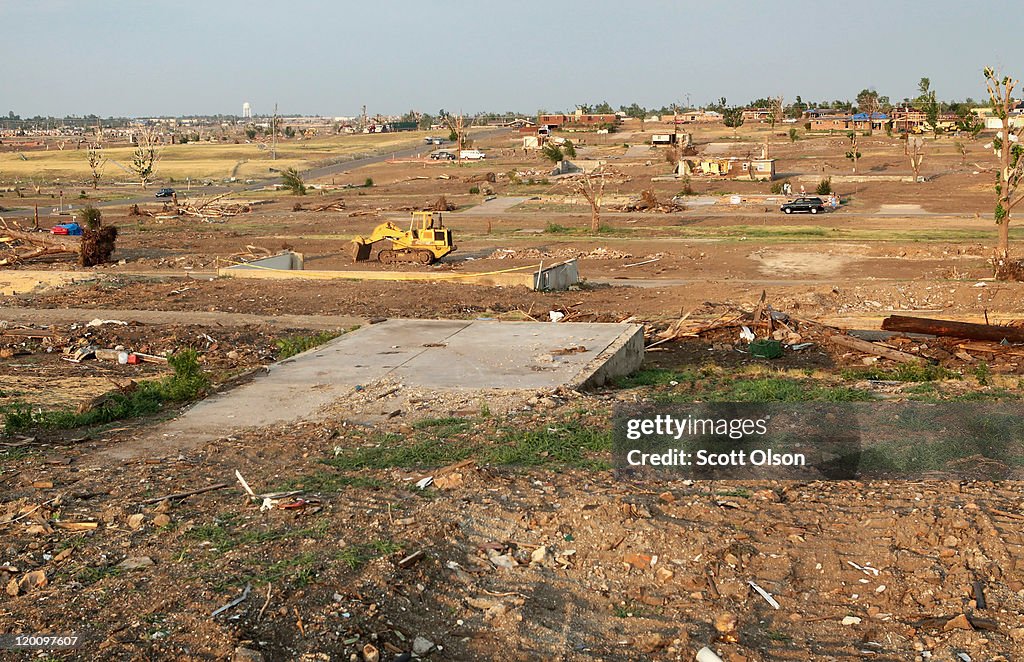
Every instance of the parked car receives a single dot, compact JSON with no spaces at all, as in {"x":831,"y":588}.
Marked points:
{"x":812,"y":205}
{"x":473,"y":154}
{"x":165,"y":193}
{"x":443,"y":155}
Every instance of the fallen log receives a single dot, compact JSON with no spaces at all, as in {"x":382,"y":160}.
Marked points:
{"x":873,"y":348}
{"x":966,"y":330}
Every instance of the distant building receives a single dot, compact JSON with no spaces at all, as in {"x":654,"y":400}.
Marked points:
{"x":756,"y":115}
{"x":577,"y":118}
{"x":855,"y":122}
{"x":699,"y":117}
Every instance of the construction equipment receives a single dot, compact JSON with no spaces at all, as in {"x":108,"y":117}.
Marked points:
{"x":426,"y":241}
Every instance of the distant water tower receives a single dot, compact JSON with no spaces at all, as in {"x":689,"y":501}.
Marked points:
{"x":246,"y":110}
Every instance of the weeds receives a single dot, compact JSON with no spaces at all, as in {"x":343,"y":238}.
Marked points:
{"x":187,"y":383}
{"x":356,"y":556}
{"x":904,"y":372}
{"x":292,"y":345}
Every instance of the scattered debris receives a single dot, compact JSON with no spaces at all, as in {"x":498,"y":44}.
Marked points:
{"x":234,"y":603}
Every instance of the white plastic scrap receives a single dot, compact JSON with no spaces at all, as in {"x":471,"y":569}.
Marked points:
{"x":866,"y":569}
{"x":765,"y":594}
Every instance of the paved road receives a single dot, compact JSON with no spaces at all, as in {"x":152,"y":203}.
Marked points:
{"x":314,"y":173}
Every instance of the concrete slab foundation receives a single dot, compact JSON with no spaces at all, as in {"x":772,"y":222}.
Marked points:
{"x":433,"y":354}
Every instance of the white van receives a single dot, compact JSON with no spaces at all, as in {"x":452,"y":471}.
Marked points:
{"x":472,"y":154}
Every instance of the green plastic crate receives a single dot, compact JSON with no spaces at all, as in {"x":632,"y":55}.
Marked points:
{"x":766,"y":349}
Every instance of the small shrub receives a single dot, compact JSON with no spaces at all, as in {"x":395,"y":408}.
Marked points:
{"x":292,"y":345}
{"x":794,"y":135}
{"x":297,"y":206}
{"x":474,"y":190}
{"x":293,"y":181}
{"x":555,"y":228}
{"x":776,"y":187}
{"x":89,"y":217}
{"x":368,"y":183}
{"x":824,"y":186}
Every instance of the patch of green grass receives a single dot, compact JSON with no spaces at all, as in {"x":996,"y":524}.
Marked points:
{"x":654,"y":377}
{"x":570,"y":443}
{"x":324,"y":481}
{"x":187,"y":383}
{"x":391,"y":452}
{"x":555,"y":228}
{"x":782,"y":389}
{"x":740,"y":492}
{"x":226,"y":533}
{"x":292,"y":345}
{"x":356,"y":556}
{"x":778,"y":635}
{"x":91,"y":575}
{"x":904,"y":372}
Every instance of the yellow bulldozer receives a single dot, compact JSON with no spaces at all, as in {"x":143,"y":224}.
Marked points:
{"x":426,"y":241}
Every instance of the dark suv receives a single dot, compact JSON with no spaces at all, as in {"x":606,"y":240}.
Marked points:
{"x":443,"y":155}
{"x":165,"y":193}
{"x":813,"y":205}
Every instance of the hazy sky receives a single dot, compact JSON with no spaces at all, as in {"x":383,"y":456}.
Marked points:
{"x":157,"y":57}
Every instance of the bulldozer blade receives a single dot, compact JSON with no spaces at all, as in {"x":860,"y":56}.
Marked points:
{"x":361,"y":251}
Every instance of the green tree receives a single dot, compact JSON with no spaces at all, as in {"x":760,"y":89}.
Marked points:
{"x":968,"y":122}
{"x":569,"y":149}
{"x":635,"y":111}
{"x":552,"y":152}
{"x":292,"y":181}
{"x":95,"y":160}
{"x":733,"y":118}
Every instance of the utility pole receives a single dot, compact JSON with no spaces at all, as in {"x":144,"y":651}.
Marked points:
{"x":273,"y":136}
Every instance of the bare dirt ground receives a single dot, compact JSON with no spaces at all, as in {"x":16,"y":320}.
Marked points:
{"x":526,"y":546}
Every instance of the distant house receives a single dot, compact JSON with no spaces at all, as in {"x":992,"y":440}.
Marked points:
{"x":855,"y":122}
{"x":815,"y":113}
{"x":756,"y":114}
{"x":578,"y":118}
{"x":699,"y":117}
{"x":732,"y":167}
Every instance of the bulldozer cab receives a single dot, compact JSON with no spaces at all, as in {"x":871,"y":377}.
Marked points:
{"x":428,"y":226}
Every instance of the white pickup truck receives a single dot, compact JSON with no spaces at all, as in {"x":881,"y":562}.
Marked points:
{"x":472,"y":154}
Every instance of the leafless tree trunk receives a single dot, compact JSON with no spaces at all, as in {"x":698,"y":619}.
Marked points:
{"x":1008,"y":149}
{"x":915,"y":147}
{"x":457,"y":126}
{"x":775,"y":115}
{"x":146,"y":155}
{"x":591,"y":187}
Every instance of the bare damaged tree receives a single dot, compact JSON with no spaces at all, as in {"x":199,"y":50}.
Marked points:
{"x":1008,"y":149}
{"x":457,"y":126}
{"x":869,"y":103}
{"x":146,"y":155}
{"x":854,"y":155}
{"x":915,"y":150}
{"x":96,"y":161}
{"x":591,"y":186}
{"x":776,"y":113}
